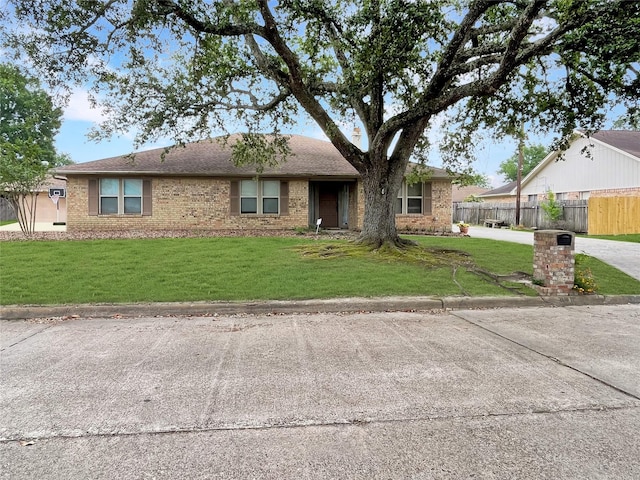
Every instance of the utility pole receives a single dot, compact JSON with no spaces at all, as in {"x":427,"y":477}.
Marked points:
{"x":519,"y":179}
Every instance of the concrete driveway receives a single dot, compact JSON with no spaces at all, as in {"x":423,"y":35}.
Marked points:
{"x":625,"y":256}
{"x":39,"y":227}
{"x":501,"y":394}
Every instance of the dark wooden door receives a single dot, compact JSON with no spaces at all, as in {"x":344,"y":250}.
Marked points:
{"x":329,"y":206}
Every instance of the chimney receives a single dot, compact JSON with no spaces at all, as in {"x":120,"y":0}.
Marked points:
{"x":356,"y":138}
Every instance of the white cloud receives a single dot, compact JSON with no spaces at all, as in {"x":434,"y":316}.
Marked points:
{"x":79,"y":108}
{"x":496,"y":181}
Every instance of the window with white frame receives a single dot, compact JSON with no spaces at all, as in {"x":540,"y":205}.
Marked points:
{"x":410,"y":199}
{"x":532,"y":198}
{"x":260,"y":197}
{"x":561,"y":196}
{"x":120,"y":196}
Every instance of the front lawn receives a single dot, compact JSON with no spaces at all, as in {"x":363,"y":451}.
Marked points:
{"x":211,"y":269}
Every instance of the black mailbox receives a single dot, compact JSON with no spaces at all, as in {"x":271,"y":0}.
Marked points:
{"x":564,"y":239}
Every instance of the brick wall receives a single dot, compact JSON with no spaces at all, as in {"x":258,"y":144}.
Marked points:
{"x":612,"y":192}
{"x":440,"y":218}
{"x":199,"y":203}
{"x":617,"y":192}
{"x":553,"y":264}
{"x":187,"y":203}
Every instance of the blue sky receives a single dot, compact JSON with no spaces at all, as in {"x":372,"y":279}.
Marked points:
{"x":80,"y":117}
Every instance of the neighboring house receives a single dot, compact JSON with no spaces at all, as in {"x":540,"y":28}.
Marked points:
{"x":6,"y":210}
{"x":197,"y":187}
{"x":47,"y":211}
{"x":500,"y":194}
{"x":607,"y":164}
{"x":461,"y":193}
{"x":597,"y":180}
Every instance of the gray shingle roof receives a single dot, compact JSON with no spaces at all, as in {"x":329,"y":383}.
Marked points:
{"x":625,"y":140}
{"x":503,"y":190}
{"x":309,"y":158}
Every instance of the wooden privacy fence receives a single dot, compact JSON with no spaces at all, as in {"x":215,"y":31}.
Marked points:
{"x":574,"y":214}
{"x":6,"y":211}
{"x":614,"y":215}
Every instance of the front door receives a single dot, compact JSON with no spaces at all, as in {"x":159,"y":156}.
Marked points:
{"x":328,"y":206}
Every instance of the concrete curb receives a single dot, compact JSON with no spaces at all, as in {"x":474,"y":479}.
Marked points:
{"x":380,"y":304}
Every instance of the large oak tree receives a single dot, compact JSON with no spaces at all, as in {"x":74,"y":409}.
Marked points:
{"x":185,"y":67}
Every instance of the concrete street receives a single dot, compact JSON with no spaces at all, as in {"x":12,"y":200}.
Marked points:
{"x":536,"y":392}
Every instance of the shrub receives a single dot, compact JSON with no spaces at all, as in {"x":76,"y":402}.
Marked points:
{"x":552,"y":209}
{"x":583,"y":283}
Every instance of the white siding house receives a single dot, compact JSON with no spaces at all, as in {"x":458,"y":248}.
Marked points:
{"x":597,"y":180}
{"x":605,"y":164}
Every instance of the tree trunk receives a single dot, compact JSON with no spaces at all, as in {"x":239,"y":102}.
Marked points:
{"x":24,"y":207}
{"x":381,"y":186}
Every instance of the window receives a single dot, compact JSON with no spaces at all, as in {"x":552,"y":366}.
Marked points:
{"x":270,"y":196}
{"x":413,"y":199}
{"x":120,"y":196}
{"x":248,"y":196}
{"x":260,"y":197}
{"x":561,"y":196}
{"x":533,"y":198}
{"x":584,"y":195}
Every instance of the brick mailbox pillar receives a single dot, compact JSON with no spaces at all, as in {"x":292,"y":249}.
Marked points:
{"x":553,"y":261}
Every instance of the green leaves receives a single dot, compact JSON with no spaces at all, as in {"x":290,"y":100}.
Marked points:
{"x":532,"y":155}
{"x":28,"y":125}
{"x":551,"y":208}
{"x":185,"y":68}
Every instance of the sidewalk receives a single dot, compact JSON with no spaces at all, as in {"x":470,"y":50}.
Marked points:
{"x":625,"y":256}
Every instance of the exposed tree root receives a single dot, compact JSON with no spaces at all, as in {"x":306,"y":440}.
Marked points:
{"x":378,"y":243}
{"x":499,"y":279}
{"x":453,"y":277}
{"x":408,"y":252}
{"x":413,"y":254}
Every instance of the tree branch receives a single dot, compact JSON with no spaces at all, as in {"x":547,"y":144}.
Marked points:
{"x":169,"y":7}
{"x":255,"y":105}
{"x":263,"y":63}
{"x":434,"y":101}
{"x":301,"y":91}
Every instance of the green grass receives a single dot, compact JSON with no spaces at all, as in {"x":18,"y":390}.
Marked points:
{"x":632,"y":237}
{"x":609,"y":280}
{"x":7,"y":222}
{"x":120,"y":271}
